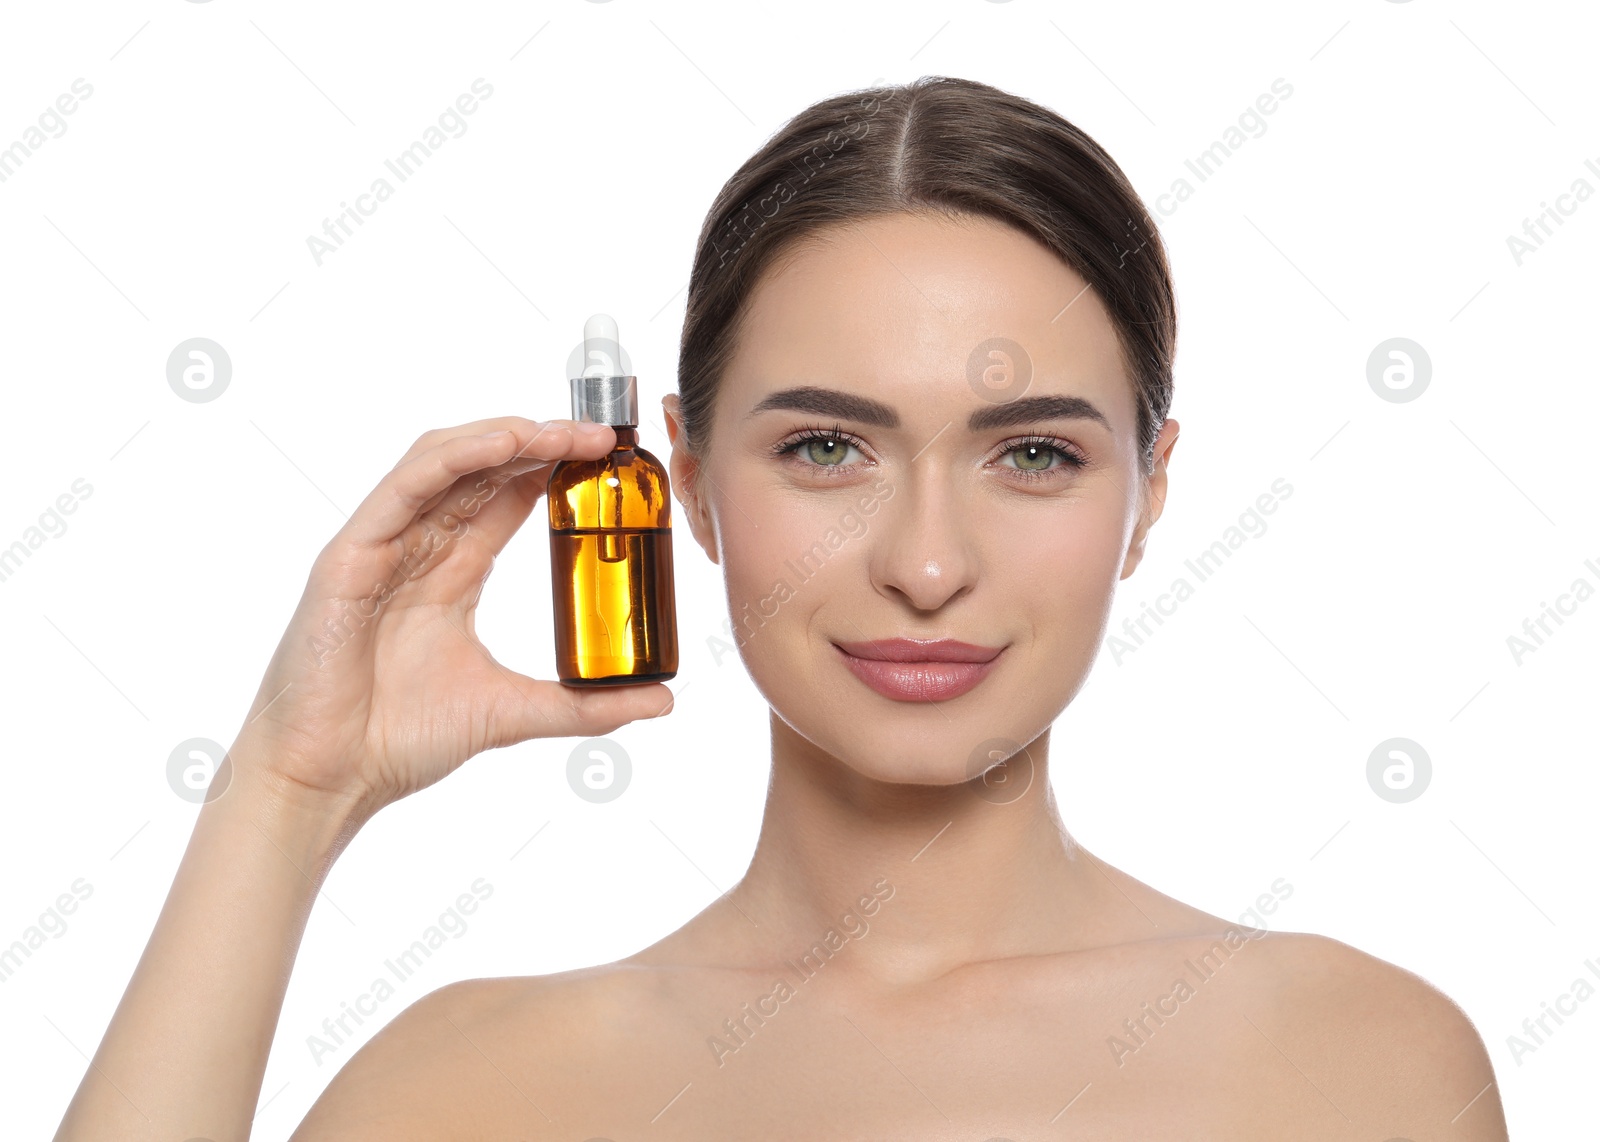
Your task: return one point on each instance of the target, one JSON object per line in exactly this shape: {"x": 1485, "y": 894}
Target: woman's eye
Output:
{"x": 1030, "y": 457}
{"x": 825, "y": 451}
{"x": 1036, "y": 457}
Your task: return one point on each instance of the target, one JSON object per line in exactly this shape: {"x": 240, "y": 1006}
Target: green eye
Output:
{"x": 828, "y": 451}
{"x": 822, "y": 448}
{"x": 1033, "y": 457}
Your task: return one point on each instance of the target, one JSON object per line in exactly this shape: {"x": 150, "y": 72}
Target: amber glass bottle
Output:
{"x": 611, "y": 539}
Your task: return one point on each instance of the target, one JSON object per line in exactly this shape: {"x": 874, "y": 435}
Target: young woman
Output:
{"x": 929, "y": 341}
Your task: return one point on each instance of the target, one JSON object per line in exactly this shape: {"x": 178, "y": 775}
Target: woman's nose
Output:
{"x": 923, "y": 550}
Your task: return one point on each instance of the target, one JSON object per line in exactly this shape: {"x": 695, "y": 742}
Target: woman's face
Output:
{"x": 921, "y": 487}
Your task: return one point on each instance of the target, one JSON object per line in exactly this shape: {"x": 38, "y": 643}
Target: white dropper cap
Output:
{"x": 601, "y": 393}
{"x": 602, "y": 348}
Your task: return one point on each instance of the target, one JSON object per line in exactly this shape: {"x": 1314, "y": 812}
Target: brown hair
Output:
{"x": 936, "y": 145}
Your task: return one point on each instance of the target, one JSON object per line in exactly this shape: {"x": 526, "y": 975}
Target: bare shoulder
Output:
{"x": 1383, "y": 1046}
{"x": 456, "y": 1063}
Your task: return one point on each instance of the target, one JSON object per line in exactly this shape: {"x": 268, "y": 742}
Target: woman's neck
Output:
{"x": 916, "y": 880}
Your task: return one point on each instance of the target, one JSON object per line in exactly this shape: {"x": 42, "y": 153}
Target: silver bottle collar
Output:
{"x": 606, "y": 400}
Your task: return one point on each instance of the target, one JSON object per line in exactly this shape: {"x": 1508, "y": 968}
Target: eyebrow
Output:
{"x": 864, "y": 410}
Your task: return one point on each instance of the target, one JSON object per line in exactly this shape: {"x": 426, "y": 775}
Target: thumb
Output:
{"x": 536, "y": 708}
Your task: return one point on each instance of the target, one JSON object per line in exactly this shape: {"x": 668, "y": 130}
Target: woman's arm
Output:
{"x": 378, "y": 688}
{"x": 185, "y": 1052}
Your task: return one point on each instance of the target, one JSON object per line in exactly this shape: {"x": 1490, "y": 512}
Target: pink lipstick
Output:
{"x": 916, "y": 670}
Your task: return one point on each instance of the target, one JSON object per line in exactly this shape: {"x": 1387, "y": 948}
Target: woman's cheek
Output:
{"x": 1094, "y": 554}
{"x": 757, "y": 583}
{"x": 1061, "y": 580}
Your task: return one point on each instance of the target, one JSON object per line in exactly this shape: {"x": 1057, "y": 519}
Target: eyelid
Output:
{"x": 819, "y": 432}
{"x": 1074, "y": 455}
{"x": 1074, "y": 458}
{"x": 800, "y": 435}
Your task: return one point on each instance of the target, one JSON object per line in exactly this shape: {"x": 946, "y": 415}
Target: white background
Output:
{"x": 1229, "y": 750}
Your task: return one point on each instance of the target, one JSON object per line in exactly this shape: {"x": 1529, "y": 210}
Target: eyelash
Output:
{"x": 1071, "y": 457}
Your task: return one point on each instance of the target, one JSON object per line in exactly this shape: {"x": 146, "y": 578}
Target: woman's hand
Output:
{"x": 380, "y": 686}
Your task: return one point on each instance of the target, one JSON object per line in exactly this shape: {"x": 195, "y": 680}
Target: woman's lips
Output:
{"x": 911, "y": 671}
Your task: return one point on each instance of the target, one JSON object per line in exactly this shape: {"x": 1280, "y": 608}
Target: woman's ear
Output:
{"x": 1155, "y": 496}
{"x": 684, "y": 470}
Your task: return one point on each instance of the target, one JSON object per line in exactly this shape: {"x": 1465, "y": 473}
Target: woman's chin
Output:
{"x": 929, "y": 763}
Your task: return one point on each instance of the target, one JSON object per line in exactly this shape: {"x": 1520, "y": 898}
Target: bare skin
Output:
{"x": 973, "y": 972}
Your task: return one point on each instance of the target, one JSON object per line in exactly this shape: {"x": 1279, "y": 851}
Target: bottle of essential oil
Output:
{"x": 611, "y": 538}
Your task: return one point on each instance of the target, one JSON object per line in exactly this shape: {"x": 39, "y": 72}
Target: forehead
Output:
{"x": 897, "y": 306}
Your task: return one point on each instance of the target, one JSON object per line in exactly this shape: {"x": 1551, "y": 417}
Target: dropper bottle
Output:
{"x": 611, "y": 537}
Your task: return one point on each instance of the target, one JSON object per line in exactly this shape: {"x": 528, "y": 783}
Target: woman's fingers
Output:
{"x": 492, "y": 509}
{"x": 404, "y": 493}
{"x": 526, "y": 476}
{"x": 534, "y": 708}
{"x": 435, "y": 436}
{"x": 399, "y": 496}
{"x": 524, "y": 428}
